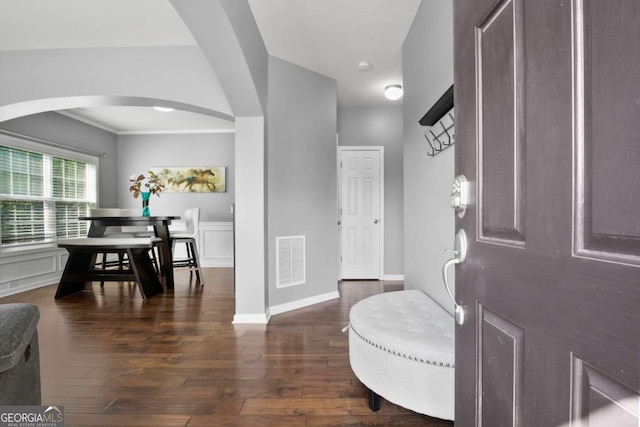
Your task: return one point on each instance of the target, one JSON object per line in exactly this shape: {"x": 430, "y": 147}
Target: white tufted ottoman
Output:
{"x": 401, "y": 346}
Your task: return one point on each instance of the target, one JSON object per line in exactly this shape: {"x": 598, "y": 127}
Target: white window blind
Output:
{"x": 42, "y": 195}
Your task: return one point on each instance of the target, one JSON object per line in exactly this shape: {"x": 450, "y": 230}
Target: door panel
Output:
{"x": 501, "y": 175}
{"x": 500, "y": 370}
{"x": 607, "y": 46}
{"x": 599, "y": 400}
{"x": 547, "y": 124}
{"x": 360, "y": 214}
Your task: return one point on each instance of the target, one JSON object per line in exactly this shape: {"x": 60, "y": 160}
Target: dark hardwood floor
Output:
{"x": 112, "y": 359}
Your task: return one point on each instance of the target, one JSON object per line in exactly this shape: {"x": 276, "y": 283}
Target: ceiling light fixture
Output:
{"x": 364, "y": 66}
{"x": 163, "y": 109}
{"x": 393, "y": 92}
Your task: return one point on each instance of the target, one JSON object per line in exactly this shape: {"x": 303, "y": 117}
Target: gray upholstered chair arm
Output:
{"x": 18, "y": 323}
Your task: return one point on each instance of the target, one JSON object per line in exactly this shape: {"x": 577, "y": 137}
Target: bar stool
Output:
{"x": 188, "y": 237}
{"x": 140, "y": 231}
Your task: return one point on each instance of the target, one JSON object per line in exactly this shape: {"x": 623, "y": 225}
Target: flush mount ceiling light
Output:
{"x": 393, "y": 92}
{"x": 163, "y": 109}
{"x": 364, "y": 66}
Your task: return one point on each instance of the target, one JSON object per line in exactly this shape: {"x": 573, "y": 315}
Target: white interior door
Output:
{"x": 360, "y": 212}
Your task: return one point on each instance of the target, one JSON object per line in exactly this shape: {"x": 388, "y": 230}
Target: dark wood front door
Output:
{"x": 547, "y": 96}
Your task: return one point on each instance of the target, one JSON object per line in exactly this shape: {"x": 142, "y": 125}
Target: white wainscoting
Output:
{"x": 22, "y": 270}
{"x": 215, "y": 244}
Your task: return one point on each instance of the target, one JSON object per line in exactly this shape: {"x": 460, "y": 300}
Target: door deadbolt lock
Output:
{"x": 459, "y": 199}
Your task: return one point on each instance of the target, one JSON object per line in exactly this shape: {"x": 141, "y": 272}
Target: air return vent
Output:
{"x": 290, "y": 267}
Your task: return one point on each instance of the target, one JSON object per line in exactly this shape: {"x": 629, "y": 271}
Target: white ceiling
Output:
{"x": 125, "y": 120}
{"x": 331, "y": 36}
{"x": 326, "y": 36}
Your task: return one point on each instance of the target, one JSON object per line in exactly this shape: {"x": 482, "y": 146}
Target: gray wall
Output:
{"x": 428, "y": 219}
{"x": 126, "y": 155}
{"x": 302, "y": 184}
{"x": 381, "y": 127}
{"x": 57, "y": 128}
{"x": 184, "y": 77}
{"x": 138, "y": 153}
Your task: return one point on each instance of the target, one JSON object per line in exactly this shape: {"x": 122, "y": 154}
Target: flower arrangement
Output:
{"x": 142, "y": 183}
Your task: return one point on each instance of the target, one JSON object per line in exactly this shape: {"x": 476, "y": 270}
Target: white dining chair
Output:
{"x": 188, "y": 237}
{"x": 110, "y": 232}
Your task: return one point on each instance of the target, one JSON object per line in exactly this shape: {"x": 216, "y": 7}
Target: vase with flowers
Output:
{"x": 145, "y": 186}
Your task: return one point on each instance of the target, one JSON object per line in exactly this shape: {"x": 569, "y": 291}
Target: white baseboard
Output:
{"x": 294, "y": 305}
{"x": 393, "y": 277}
{"x": 217, "y": 262}
{"x": 255, "y": 318}
{"x": 29, "y": 286}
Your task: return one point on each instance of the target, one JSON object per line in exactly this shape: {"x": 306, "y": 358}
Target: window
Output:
{"x": 42, "y": 193}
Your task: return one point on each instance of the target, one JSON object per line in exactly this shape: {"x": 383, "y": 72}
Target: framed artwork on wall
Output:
{"x": 192, "y": 179}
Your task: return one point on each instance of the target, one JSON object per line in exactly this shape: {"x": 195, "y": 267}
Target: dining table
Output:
{"x": 160, "y": 225}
